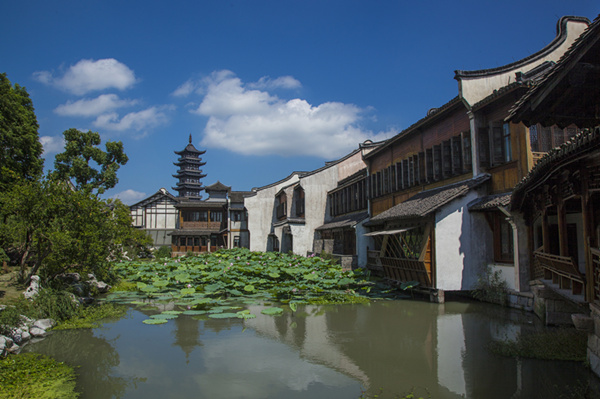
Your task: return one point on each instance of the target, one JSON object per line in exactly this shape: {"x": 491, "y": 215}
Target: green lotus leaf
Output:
{"x": 149, "y": 288}
{"x": 293, "y": 306}
{"x": 161, "y": 283}
{"x": 223, "y": 316}
{"x": 212, "y": 287}
{"x": 187, "y": 291}
{"x": 272, "y": 311}
{"x": 172, "y": 312}
{"x": 154, "y": 321}
{"x": 246, "y": 316}
{"x": 141, "y": 285}
{"x": 194, "y": 312}
{"x": 249, "y": 288}
{"x": 164, "y": 316}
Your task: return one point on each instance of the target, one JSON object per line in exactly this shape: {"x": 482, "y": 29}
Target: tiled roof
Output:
{"x": 342, "y": 221}
{"x": 561, "y": 35}
{"x": 590, "y": 34}
{"x": 160, "y": 193}
{"x": 579, "y": 145}
{"x": 238, "y": 196}
{"x": 490, "y": 202}
{"x": 429, "y": 201}
{"x": 218, "y": 186}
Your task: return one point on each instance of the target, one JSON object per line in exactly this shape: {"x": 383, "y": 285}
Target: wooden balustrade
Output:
{"x": 595, "y": 258}
{"x": 563, "y": 271}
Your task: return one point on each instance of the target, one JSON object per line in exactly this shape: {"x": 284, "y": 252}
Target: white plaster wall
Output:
{"x": 362, "y": 242}
{"x": 507, "y": 273}
{"x": 260, "y": 213}
{"x": 454, "y": 240}
{"x": 477, "y": 88}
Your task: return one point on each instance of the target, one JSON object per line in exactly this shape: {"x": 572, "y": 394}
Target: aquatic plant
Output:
{"x": 552, "y": 344}
{"x": 31, "y": 375}
{"x": 239, "y": 273}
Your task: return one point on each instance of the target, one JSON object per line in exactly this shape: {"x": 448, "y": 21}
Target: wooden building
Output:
{"x": 439, "y": 190}
{"x": 157, "y": 215}
{"x": 560, "y": 198}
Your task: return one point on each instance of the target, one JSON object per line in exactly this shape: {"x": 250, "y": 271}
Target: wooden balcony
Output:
{"x": 400, "y": 270}
{"x": 178, "y": 250}
{"x": 562, "y": 272}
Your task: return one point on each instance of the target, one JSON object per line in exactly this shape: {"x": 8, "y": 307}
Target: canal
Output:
{"x": 385, "y": 348}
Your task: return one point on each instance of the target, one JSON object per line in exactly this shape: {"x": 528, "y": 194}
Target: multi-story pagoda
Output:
{"x": 189, "y": 174}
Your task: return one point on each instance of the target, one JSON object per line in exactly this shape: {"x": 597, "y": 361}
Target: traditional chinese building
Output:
{"x": 187, "y": 222}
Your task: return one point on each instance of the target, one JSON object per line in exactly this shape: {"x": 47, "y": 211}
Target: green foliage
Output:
{"x": 491, "y": 287}
{"x": 33, "y": 376}
{"x": 81, "y": 157}
{"x": 163, "y": 252}
{"x": 90, "y": 316}
{"x": 55, "y": 229}
{"x": 56, "y": 305}
{"x": 20, "y": 147}
{"x": 237, "y": 272}
{"x": 9, "y": 318}
{"x": 556, "y": 344}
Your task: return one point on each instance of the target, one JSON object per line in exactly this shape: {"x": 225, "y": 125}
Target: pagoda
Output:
{"x": 189, "y": 174}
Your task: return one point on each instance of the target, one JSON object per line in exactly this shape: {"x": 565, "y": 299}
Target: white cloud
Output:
{"x": 129, "y": 197}
{"x": 92, "y": 107}
{"x": 150, "y": 117}
{"x": 185, "y": 89}
{"x": 254, "y": 122}
{"x": 52, "y": 144}
{"x": 91, "y": 75}
{"x": 282, "y": 82}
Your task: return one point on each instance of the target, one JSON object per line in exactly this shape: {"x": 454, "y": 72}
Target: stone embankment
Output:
{"x": 28, "y": 329}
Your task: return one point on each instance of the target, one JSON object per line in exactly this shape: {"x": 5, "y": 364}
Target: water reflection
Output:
{"x": 316, "y": 352}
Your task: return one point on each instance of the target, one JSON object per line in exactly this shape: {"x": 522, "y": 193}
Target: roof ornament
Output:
{"x": 190, "y": 138}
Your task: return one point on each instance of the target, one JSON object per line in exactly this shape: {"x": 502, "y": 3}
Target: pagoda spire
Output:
{"x": 189, "y": 173}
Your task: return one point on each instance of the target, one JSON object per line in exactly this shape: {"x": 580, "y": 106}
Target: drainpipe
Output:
{"x": 511, "y": 221}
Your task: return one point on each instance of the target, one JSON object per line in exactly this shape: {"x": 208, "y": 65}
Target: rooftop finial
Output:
{"x": 190, "y": 138}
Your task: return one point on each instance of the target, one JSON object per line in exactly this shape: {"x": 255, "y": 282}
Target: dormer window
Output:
{"x": 281, "y": 210}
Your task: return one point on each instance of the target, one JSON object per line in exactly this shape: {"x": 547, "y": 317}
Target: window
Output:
{"x": 236, "y": 241}
{"x": 543, "y": 139}
{"x": 503, "y": 239}
{"x": 466, "y": 151}
{"x": 216, "y": 216}
{"x": 203, "y": 216}
{"x": 506, "y": 142}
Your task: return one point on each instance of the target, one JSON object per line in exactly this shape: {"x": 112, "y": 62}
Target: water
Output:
{"x": 317, "y": 352}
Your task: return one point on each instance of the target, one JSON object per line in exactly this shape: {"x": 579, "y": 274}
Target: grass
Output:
{"x": 90, "y": 317}
{"x": 555, "y": 344}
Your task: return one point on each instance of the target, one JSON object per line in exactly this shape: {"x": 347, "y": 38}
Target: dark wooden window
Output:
{"x": 457, "y": 158}
{"x": 429, "y": 164}
{"x": 483, "y": 147}
{"x": 503, "y": 239}
{"x": 216, "y": 216}
{"x": 437, "y": 162}
{"x": 446, "y": 159}
{"x": 466, "y": 152}
{"x": 422, "y": 169}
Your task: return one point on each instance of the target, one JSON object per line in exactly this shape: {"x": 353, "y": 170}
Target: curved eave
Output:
{"x": 561, "y": 36}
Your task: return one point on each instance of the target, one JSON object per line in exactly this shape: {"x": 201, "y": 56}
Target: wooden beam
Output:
{"x": 562, "y": 227}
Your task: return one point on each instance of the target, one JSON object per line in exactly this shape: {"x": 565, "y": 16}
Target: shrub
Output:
{"x": 491, "y": 287}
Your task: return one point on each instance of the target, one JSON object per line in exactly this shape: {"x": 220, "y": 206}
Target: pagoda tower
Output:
{"x": 189, "y": 174}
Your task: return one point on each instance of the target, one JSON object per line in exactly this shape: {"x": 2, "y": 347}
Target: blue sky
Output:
{"x": 265, "y": 87}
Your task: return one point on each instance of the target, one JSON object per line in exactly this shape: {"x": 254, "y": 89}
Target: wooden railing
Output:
{"x": 373, "y": 260}
{"x": 406, "y": 270}
{"x": 563, "y": 271}
{"x": 184, "y": 249}
{"x": 595, "y": 258}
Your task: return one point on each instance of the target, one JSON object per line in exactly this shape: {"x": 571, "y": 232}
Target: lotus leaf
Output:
{"x": 187, "y": 291}
{"x": 154, "y": 321}
{"x": 172, "y": 312}
{"x": 194, "y": 312}
{"x": 272, "y": 311}
{"x": 161, "y": 283}
{"x": 223, "y": 316}
{"x": 249, "y": 288}
{"x": 141, "y": 285}
{"x": 164, "y": 316}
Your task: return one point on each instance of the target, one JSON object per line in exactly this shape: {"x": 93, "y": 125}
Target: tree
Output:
{"x": 87, "y": 166}
{"x": 20, "y": 147}
{"x": 51, "y": 229}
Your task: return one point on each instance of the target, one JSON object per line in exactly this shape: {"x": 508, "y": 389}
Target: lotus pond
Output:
{"x": 207, "y": 329}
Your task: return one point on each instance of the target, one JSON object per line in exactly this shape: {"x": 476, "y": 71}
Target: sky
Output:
{"x": 264, "y": 87}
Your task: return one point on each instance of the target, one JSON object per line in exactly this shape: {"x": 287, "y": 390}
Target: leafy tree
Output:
{"x": 20, "y": 147}
{"x": 85, "y": 164}
{"x": 53, "y": 229}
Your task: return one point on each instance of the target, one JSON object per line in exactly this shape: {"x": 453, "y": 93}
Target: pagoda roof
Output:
{"x": 190, "y": 149}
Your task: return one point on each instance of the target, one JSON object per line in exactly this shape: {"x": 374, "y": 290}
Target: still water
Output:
{"x": 345, "y": 351}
